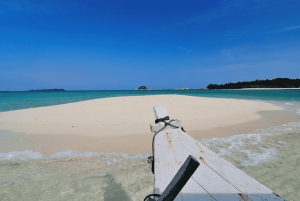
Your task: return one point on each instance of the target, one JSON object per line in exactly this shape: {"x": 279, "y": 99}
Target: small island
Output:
{"x": 274, "y": 83}
{"x": 46, "y": 90}
{"x": 142, "y": 88}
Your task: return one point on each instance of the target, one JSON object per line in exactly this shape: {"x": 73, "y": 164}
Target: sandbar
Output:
{"x": 121, "y": 124}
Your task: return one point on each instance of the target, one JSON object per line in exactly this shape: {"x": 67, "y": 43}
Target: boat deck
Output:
{"x": 215, "y": 179}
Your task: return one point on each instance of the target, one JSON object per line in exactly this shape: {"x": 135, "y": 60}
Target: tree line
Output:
{"x": 274, "y": 83}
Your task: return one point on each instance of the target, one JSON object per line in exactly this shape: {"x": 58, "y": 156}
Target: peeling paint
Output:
{"x": 243, "y": 197}
{"x": 202, "y": 159}
{"x": 170, "y": 144}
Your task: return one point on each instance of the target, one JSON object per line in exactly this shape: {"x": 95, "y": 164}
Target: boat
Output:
{"x": 185, "y": 170}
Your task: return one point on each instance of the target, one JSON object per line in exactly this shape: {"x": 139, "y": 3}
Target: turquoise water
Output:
{"x": 22, "y": 100}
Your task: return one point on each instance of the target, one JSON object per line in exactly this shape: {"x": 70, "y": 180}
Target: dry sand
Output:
{"x": 121, "y": 124}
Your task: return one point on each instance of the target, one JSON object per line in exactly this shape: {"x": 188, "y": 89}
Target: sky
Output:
{"x": 163, "y": 44}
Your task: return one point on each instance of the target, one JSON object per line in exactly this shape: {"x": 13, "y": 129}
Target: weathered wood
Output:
{"x": 160, "y": 112}
{"x": 236, "y": 177}
{"x": 212, "y": 183}
{"x": 162, "y": 177}
{"x": 215, "y": 179}
{"x": 180, "y": 179}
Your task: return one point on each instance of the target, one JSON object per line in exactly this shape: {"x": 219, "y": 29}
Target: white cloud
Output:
{"x": 20, "y": 6}
{"x": 231, "y": 53}
{"x": 268, "y": 66}
{"x": 184, "y": 49}
{"x": 286, "y": 29}
{"x": 226, "y": 8}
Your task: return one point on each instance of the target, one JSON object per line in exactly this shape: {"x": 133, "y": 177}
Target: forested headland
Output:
{"x": 274, "y": 83}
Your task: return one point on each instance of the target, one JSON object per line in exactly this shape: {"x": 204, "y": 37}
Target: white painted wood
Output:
{"x": 192, "y": 191}
{"x": 180, "y": 179}
{"x": 156, "y": 127}
{"x": 160, "y": 112}
{"x": 163, "y": 176}
{"x": 204, "y": 175}
{"x": 215, "y": 179}
{"x": 236, "y": 177}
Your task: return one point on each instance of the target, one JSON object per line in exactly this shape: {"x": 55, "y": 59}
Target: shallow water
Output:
{"x": 73, "y": 176}
{"x": 271, "y": 156}
{"x": 22, "y": 100}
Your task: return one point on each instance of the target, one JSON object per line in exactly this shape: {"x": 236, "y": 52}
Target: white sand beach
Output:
{"x": 121, "y": 124}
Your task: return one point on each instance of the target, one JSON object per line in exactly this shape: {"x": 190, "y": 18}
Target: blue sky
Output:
{"x": 119, "y": 44}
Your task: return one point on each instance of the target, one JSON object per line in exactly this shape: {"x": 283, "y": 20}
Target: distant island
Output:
{"x": 275, "y": 83}
{"x": 46, "y": 90}
{"x": 142, "y": 88}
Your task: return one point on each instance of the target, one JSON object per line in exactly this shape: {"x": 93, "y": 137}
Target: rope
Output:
{"x": 155, "y": 195}
{"x": 151, "y": 158}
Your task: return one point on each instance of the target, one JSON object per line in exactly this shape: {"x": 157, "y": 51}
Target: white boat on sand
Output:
{"x": 215, "y": 179}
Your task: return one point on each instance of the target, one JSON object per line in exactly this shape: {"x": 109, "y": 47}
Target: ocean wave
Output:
{"x": 298, "y": 111}
{"x": 72, "y": 153}
{"x": 21, "y": 155}
{"x": 257, "y": 158}
{"x": 32, "y": 155}
{"x": 256, "y": 148}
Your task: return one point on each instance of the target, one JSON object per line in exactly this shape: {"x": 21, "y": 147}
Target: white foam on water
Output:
{"x": 256, "y": 158}
{"x": 225, "y": 146}
{"x": 256, "y": 147}
{"x": 288, "y": 103}
{"x": 298, "y": 111}
{"x": 240, "y": 144}
{"x": 72, "y": 153}
{"x": 32, "y": 155}
{"x": 21, "y": 155}
{"x": 128, "y": 156}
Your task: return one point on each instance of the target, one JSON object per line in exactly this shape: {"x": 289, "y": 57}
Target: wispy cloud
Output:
{"x": 20, "y": 6}
{"x": 184, "y": 49}
{"x": 268, "y": 66}
{"x": 291, "y": 28}
{"x": 226, "y": 8}
{"x": 231, "y": 53}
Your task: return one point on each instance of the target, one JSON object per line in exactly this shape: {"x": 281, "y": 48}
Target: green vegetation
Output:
{"x": 275, "y": 83}
{"x": 142, "y": 88}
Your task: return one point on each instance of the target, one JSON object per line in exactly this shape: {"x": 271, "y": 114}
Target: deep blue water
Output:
{"x": 21, "y": 100}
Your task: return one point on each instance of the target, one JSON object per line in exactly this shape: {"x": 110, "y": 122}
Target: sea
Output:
{"x": 270, "y": 155}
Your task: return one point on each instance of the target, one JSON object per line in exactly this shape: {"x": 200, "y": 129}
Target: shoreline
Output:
{"x": 259, "y": 89}
{"x": 270, "y": 88}
{"x": 49, "y": 129}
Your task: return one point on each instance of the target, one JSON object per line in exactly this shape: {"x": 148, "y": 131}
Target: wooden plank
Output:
{"x": 212, "y": 183}
{"x": 180, "y": 179}
{"x": 160, "y": 112}
{"x": 236, "y": 177}
{"x": 166, "y": 167}
{"x": 163, "y": 174}
{"x": 192, "y": 191}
